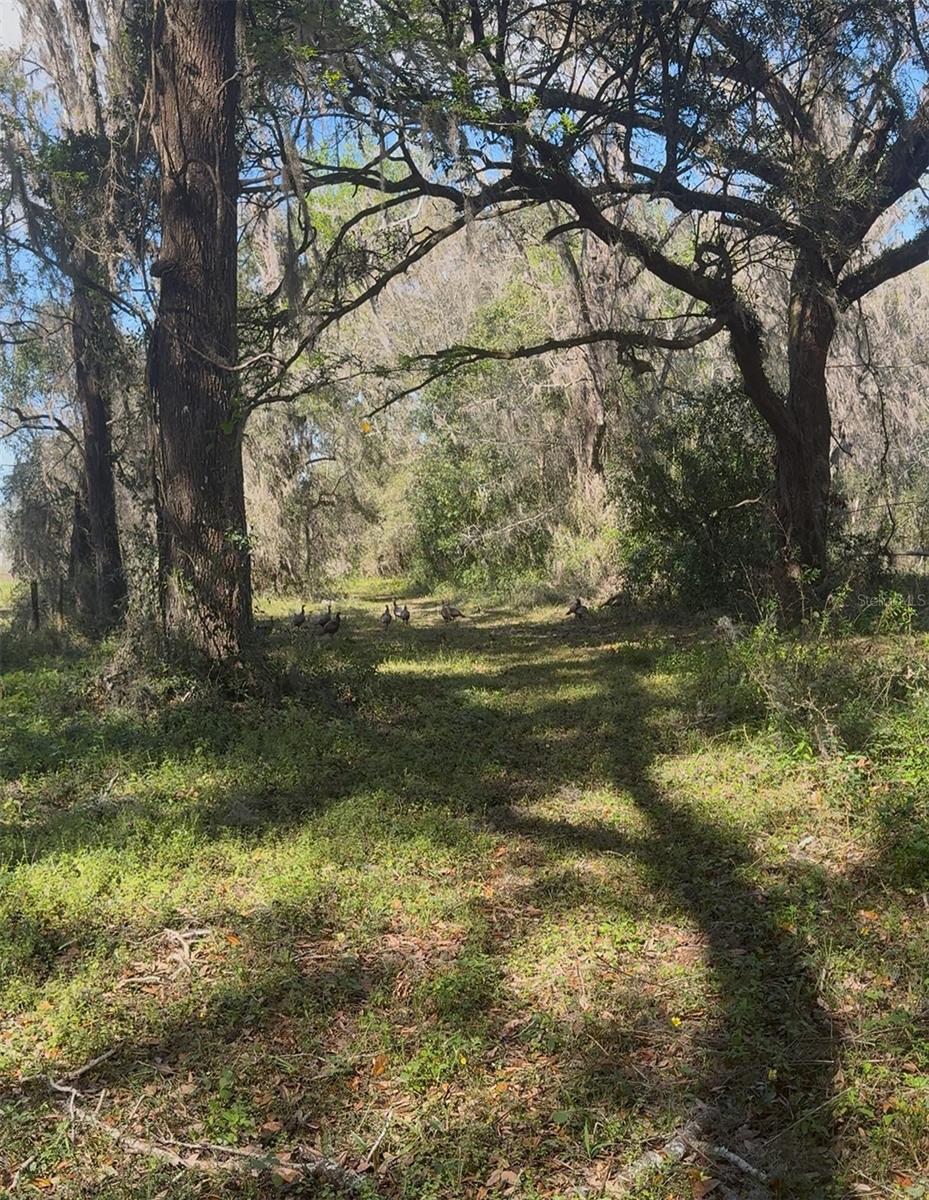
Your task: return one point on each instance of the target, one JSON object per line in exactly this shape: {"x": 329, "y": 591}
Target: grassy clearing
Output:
{"x": 7, "y": 594}
{"x": 533, "y": 896}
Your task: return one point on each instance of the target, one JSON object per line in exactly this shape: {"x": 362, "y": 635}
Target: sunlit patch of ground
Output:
{"x": 515, "y": 913}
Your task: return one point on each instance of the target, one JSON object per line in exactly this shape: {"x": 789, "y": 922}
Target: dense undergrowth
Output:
{"x": 495, "y": 911}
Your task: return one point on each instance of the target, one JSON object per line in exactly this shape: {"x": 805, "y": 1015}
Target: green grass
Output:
{"x": 513, "y": 908}
{"x": 7, "y": 594}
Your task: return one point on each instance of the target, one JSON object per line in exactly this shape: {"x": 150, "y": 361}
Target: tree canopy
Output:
{"x": 719, "y": 174}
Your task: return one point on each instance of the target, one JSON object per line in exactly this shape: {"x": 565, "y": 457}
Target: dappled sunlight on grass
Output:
{"x": 508, "y": 905}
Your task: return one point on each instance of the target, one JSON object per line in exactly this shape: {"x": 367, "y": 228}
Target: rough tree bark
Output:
{"x": 803, "y": 448}
{"x": 591, "y": 433}
{"x": 81, "y": 570}
{"x": 589, "y": 273}
{"x": 94, "y": 339}
{"x": 204, "y": 550}
{"x": 800, "y": 421}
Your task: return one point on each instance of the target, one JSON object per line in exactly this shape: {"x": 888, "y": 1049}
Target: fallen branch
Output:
{"x": 24, "y": 1166}
{"x": 94, "y": 1062}
{"x": 690, "y": 1137}
{"x": 736, "y": 1161}
{"x": 369, "y": 1157}
{"x": 204, "y": 1156}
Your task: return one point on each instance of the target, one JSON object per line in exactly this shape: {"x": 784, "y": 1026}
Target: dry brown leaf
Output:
{"x": 288, "y": 1174}
{"x": 502, "y": 1177}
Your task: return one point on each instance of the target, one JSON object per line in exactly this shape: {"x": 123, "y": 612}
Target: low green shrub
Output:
{"x": 22, "y": 648}
{"x": 692, "y": 484}
{"x": 825, "y": 686}
{"x": 474, "y": 522}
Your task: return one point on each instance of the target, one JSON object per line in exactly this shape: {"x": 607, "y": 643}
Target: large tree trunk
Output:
{"x": 800, "y": 422}
{"x": 591, "y": 430}
{"x": 94, "y": 342}
{"x": 204, "y": 549}
{"x": 802, "y": 498}
{"x": 803, "y": 469}
{"x": 81, "y": 569}
{"x": 591, "y": 276}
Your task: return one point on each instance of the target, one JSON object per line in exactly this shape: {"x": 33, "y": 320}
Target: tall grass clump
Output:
{"x": 827, "y": 685}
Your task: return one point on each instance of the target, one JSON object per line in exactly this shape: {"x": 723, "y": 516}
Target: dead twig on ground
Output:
{"x": 691, "y": 1137}
{"x": 202, "y": 1156}
{"x": 369, "y": 1157}
{"x": 94, "y": 1062}
{"x": 23, "y": 1166}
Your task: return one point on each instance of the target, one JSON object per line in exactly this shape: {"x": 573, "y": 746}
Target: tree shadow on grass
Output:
{"x": 485, "y": 746}
{"x": 776, "y": 1048}
{"x": 770, "y": 1078}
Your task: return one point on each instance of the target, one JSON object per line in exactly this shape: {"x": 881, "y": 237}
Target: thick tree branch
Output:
{"x": 456, "y": 358}
{"x": 747, "y": 341}
{"x": 886, "y": 266}
{"x": 564, "y": 187}
{"x": 904, "y": 163}
{"x": 749, "y": 65}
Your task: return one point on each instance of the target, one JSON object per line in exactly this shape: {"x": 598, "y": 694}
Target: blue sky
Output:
{"x": 9, "y": 36}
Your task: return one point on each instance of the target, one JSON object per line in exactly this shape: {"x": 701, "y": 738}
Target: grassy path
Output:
{"x": 510, "y": 916}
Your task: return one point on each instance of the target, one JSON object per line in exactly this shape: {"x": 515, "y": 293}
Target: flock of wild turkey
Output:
{"x": 324, "y": 624}
{"x": 328, "y": 624}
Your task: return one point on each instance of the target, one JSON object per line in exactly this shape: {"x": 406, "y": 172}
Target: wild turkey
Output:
{"x": 396, "y": 606}
{"x": 581, "y": 611}
{"x": 331, "y": 628}
{"x": 449, "y": 612}
{"x": 324, "y": 618}
{"x": 404, "y": 615}
{"x": 299, "y": 618}
{"x": 573, "y": 607}
{"x": 386, "y": 618}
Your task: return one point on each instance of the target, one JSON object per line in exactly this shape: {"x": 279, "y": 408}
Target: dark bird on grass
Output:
{"x": 450, "y": 613}
{"x": 299, "y": 618}
{"x": 404, "y": 615}
{"x": 581, "y": 611}
{"x": 324, "y": 618}
{"x": 574, "y": 606}
{"x": 386, "y": 618}
{"x": 331, "y": 628}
